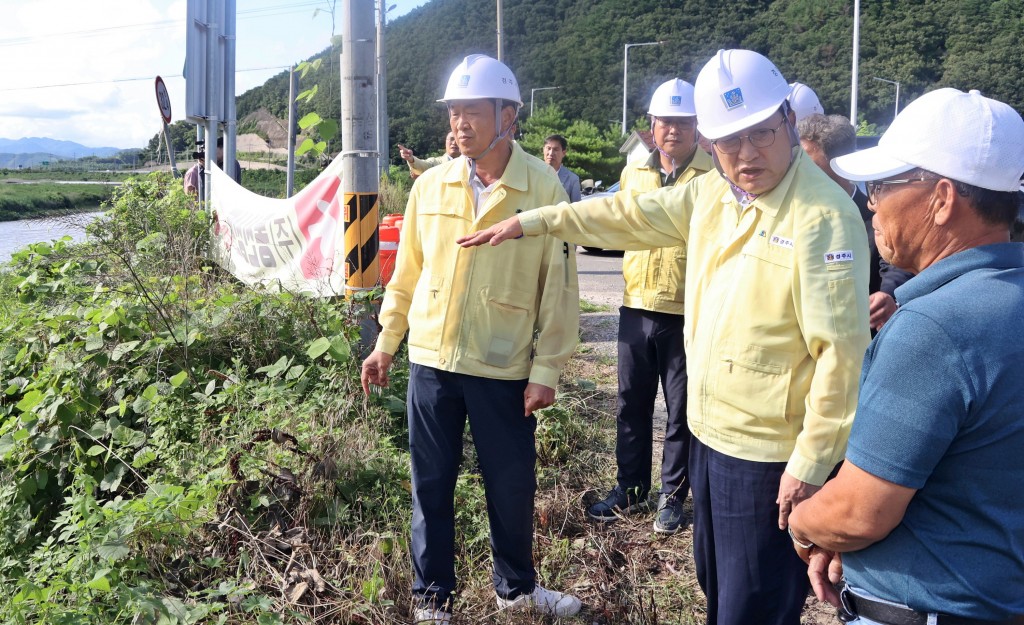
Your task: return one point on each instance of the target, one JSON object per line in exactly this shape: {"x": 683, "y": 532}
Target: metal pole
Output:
{"x": 360, "y": 159}
{"x": 230, "y": 15}
{"x": 293, "y": 91}
{"x": 897, "y": 111}
{"x": 383, "y": 138}
{"x": 499, "y": 31}
{"x": 856, "y": 63}
{"x": 214, "y": 86}
{"x": 170, "y": 150}
{"x": 535, "y": 90}
{"x": 625, "y": 74}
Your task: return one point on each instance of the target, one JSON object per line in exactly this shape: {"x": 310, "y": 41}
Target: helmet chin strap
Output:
{"x": 497, "y": 138}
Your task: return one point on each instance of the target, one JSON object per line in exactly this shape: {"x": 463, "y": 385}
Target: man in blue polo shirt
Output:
{"x": 927, "y": 511}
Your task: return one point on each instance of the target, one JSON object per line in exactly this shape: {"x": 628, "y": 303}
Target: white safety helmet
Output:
{"x": 735, "y": 90}
{"x": 478, "y": 77}
{"x": 673, "y": 98}
{"x": 804, "y": 101}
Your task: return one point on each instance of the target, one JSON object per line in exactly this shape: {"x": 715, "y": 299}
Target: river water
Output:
{"x": 15, "y": 235}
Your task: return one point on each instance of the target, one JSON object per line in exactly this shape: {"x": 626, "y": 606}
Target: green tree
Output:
{"x": 593, "y": 153}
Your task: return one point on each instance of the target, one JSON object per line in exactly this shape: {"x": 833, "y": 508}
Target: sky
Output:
{"x": 84, "y": 70}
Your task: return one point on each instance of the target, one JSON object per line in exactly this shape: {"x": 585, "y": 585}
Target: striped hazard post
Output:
{"x": 362, "y": 268}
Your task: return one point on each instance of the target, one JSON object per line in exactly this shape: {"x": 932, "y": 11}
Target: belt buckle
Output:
{"x": 845, "y": 612}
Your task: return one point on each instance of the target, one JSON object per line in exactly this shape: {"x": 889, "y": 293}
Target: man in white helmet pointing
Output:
{"x": 650, "y": 341}
{"x": 776, "y": 326}
{"x": 489, "y": 331}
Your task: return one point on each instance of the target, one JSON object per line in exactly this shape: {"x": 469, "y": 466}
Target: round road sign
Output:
{"x": 163, "y": 100}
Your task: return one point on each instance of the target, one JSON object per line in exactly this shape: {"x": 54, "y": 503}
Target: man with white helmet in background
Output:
{"x": 804, "y": 101}
{"x": 650, "y": 344}
{"x": 776, "y": 326}
{"x": 489, "y": 332}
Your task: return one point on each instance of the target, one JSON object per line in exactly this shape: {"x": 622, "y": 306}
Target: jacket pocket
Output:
{"x": 503, "y": 331}
{"x": 755, "y": 381}
{"x": 426, "y": 313}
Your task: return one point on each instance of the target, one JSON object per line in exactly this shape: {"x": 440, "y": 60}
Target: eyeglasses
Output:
{"x": 760, "y": 138}
{"x": 679, "y": 123}
{"x": 875, "y": 186}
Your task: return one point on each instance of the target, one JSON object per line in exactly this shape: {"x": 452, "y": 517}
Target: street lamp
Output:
{"x": 625, "y": 74}
{"x": 535, "y": 90}
{"x": 892, "y": 82}
{"x": 383, "y": 147}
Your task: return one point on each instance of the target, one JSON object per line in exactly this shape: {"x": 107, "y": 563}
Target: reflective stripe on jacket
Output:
{"x": 654, "y": 278}
{"x": 477, "y": 310}
{"x": 776, "y": 306}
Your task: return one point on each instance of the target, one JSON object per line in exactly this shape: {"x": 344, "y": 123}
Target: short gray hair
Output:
{"x": 832, "y": 133}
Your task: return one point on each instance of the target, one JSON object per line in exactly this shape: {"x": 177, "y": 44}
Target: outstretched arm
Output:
{"x": 501, "y": 231}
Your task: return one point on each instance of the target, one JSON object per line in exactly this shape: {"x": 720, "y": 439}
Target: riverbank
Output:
{"x": 49, "y": 199}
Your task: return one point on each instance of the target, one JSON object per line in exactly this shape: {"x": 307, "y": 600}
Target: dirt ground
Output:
{"x": 671, "y": 559}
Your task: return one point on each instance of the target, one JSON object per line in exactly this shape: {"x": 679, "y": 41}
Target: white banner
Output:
{"x": 293, "y": 244}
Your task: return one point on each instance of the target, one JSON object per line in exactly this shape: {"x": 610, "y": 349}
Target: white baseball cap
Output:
{"x": 962, "y": 136}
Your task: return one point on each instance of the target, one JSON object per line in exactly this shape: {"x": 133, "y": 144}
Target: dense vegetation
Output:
{"x": 176, "y": 448}
{"x": 578, "y": 45}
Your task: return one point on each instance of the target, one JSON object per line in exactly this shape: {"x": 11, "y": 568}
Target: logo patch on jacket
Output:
{"x": 841, "y": 256}
{"x": 781, "y": 241}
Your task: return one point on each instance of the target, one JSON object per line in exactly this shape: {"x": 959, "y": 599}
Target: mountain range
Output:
{"x": 53, "y": 147}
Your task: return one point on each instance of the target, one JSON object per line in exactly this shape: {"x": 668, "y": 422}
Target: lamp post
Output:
{"x": 383, "y": 148}
{"x": 500, "y": 43}
{"x": 535, "y": 90}
{"x": 854, "y": 72}
{"x": 892, "y": 82}
{"x": 625, "y": 74}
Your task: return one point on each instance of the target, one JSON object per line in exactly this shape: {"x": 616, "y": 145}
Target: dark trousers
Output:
{"x": 438, "y": 404}
{"x": 651, "y": 349}
{"x": 745, "y": 564}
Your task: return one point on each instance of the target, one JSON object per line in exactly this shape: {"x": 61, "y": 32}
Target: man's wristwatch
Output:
{"x": 797, "y": 542}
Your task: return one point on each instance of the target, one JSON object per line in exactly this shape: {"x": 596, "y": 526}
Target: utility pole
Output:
{"x": 230, "y": 121}
{"x": 293, "y": 113}
{"x": 500, "y": 46}
{"x": 360, "y": 159}
{"x": 383, "y": 137}
{"x": 856, "y": 62}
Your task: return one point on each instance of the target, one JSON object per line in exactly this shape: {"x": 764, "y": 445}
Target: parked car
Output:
{"x": 606, "y": 193}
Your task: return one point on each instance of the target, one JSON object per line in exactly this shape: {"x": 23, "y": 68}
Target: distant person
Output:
{"x": 194, "y": 181}
{"x": 650, "y": 342}
{"x": 555, "y": 148}
{"x": 775, "y": 331}
{"x": 417, "y": 166}
{"x": 488, "y": 333}
{"x": 924, "y": 522}
{"x": 825, "y": 138}
{"x": 804, "y": 101}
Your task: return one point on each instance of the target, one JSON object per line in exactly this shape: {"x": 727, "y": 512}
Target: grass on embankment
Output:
{"x": 25, "y": 201}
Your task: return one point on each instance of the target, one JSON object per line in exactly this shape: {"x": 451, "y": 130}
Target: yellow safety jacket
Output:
{"x": 478, "y": 310}
{"x": 776, "y": 306}
{"x": 654, "y": 278}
